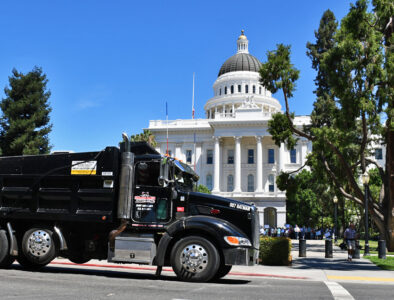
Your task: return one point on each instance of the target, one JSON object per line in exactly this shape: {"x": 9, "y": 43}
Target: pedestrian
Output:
{"x": 350, "y": 236}
{"x": 297, "y": 231}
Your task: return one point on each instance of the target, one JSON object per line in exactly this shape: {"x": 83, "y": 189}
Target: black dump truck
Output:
{"x": 125, "y": 205}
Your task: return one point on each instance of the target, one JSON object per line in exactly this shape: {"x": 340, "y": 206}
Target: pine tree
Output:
{"x": 25, "y": 122}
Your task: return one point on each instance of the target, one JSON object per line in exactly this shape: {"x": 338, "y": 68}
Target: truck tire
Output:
{"x": 223, "y": 271}
{"x": 78, "y": 259}
{"x": 195, "y": 258}
{"x": 6, "y": 259}
{"x": 38, "y": 248}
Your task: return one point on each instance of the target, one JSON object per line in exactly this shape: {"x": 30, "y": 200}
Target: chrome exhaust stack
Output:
{"x": 126, "y": 181}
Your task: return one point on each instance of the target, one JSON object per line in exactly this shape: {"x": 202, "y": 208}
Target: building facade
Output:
{"x": 231, "y": 149}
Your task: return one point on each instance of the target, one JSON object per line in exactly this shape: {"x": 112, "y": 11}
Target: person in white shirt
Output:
{"x": 350, "y": 237}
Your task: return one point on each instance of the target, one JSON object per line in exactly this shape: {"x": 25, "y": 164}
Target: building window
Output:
{"x": 260, "y": 90}
{"x": 225, "y": 90}
{"x": 189, "y": 156}
{"x": 246, "y": 89}
{"x": 220, "y": 91}
{"x": 209, "y": 182}
{"x": 209, "y": 157}
{"x": 239, "y": 88}
{"x": 293, "y": 156}
{"x": 232, "y": 89}
{"x": 230, "y": 183}
{"x": 270, "y": 217}
{"x": 378, "y": 153}
{"x": 271, "y": 183}
{"x": 250, "y": 183}
{"x": 254, "y": 89}
{"x": 271, "y": 156}
{"x": 230, "y": 156}
{"x": 250, "y": 156}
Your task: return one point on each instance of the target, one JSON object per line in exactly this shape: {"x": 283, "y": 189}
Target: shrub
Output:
{"x": 275, "y": 251}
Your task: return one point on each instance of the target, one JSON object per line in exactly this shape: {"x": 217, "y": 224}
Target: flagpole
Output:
{"x": 194, "y": 134}
{"x": 167, "y": 126}
{"x": 193, "y": 99}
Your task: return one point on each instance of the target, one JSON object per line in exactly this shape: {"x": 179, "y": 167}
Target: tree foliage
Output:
{"x": 145, "y": 136}
{"x": 203, "y": 189}
{"x": 25, "y": 122}
{"x": 354, "y": 66}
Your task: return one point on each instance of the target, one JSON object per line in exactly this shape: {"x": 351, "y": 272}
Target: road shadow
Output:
{"x": 333, "y": 264}
{"x": 117, "y": 274}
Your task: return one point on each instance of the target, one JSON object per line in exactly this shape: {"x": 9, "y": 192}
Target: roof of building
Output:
{"x": 240, "y": 62}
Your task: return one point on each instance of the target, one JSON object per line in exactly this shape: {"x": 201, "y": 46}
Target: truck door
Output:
{"x": 152, "y": 203}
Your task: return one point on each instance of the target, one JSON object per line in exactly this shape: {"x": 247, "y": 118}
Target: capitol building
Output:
{"x": 231, "y": 149}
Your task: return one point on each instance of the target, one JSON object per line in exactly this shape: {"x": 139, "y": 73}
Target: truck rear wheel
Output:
{"x": 6, "y": 259}
{"x": 38, "y": 248}
{"x": 194, "y": 258}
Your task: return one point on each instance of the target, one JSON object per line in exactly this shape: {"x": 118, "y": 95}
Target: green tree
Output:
{"x": 305, "y": 195}
{"x": 357, "y": 73}
{"x": 203, "y": 189}
{"x": 25, "y": 122}
{"x": 145, "y": 136}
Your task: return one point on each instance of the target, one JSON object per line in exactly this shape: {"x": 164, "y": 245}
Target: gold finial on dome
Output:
{"x": 242, "y": 36}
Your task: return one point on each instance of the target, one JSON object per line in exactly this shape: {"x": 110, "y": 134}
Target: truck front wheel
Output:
{"x": 194, "y": 258}
{"x": 38, "y": 248}
{"x": 6, "y": 259}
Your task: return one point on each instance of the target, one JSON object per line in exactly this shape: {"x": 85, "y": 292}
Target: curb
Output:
{"x": 170, "y": 270}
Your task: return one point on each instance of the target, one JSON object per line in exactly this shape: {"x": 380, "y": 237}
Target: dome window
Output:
{"x": 239, "y": 88}
{"x": 254, "y": 89}
{"x": 225, "y": 90}
{"x": 220, "y": 92}
{"x": 260, "y": 90}
{"x": 232, "y": 89}
{"x": 246, "y": 89}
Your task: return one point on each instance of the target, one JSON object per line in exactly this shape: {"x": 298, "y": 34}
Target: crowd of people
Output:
{"x": 296, "y": 232}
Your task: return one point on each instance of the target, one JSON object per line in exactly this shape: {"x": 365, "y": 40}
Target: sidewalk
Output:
{"x": 316, "y": 267}
{"x": 313, "y": 267}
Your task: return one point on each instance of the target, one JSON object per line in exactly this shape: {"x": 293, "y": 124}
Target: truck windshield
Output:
{"x": 185, "y": 177}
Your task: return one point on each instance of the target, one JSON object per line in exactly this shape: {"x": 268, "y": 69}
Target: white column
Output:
{"x": 233, "y": 111}
{"x": 281, "y": 157}
{"x": 237, "y": 161}
{"x": 197, "y": 155}
{"x": 216, "y": 170}
{"x": 259, "y": 171}
{"x": 178, "y": 152}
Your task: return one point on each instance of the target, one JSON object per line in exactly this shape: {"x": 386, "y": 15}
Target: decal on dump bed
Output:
{"x": 80, "y": 167}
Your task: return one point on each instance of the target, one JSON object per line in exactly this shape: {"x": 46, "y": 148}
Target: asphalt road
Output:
{"x": 76, "y": 282}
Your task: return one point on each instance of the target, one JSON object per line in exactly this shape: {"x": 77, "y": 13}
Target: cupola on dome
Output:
{"x": 242, "y": 61}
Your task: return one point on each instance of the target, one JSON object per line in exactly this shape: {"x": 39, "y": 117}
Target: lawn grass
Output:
{"x": 385, "y": 264}
{"x": 373, "y": 246}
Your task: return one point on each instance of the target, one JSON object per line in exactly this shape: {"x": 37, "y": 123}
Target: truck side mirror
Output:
{"x": 164, "y": 171}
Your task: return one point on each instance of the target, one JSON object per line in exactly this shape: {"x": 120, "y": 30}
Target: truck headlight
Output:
{"x": 237, "y": 241}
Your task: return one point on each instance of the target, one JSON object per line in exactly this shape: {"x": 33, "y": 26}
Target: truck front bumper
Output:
{"x": 241, "y": 256}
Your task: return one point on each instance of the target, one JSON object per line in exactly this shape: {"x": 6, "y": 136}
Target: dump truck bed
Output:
{"x": 64, "y": 187}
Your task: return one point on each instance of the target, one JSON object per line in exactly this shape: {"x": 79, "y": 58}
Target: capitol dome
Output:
{"x": 240, "y": 62}
{"x": 238, "y": 92}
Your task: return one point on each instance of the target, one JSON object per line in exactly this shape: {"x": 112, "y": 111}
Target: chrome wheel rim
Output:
{"x": 39, "y": 243}
{"x": 194, "y": 258}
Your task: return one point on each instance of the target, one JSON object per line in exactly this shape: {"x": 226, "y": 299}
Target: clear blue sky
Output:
{"x": 112, "y": 65}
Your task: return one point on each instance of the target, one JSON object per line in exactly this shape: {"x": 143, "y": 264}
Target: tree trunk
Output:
{"x": 390, "y": 174}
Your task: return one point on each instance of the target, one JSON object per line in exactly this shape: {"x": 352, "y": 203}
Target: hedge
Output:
{"x": 275, "y": 251}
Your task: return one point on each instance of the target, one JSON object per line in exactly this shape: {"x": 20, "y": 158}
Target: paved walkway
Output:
{"x": 316, "y": 267}
{"x": 313, "y": 267}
